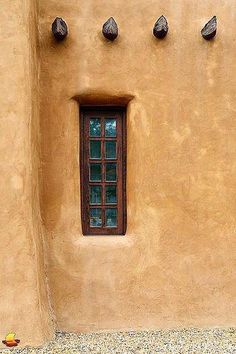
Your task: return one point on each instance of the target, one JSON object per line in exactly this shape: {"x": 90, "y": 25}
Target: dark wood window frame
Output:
{"x": 104, "y": 209}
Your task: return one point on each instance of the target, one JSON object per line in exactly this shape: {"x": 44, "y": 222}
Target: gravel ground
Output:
{"x": 181, "y": 341}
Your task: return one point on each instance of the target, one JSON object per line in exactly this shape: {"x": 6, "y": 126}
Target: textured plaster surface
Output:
{"x": 176, "y": 264}
{"x": 23, "y": 292}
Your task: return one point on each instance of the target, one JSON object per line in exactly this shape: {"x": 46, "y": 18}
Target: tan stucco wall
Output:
{"x": 175, "y": 266}
{"x": 24, "y": 305}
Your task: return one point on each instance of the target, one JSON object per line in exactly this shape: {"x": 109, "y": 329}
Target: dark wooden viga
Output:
{"x": 110, "y": 29}
{"x": 160, "y": 28}
{"x": 209, "y": 30}
{"x": 59, "y": 29}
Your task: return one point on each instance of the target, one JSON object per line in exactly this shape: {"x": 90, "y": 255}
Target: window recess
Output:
{"x": 103, "y": 170}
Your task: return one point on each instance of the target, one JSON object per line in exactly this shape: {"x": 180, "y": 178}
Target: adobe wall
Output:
{"x": 23, "y": 289}
{"x": 175, "y": 266}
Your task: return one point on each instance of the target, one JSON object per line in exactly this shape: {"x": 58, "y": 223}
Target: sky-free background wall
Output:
{"x": 24, "y": 305}
{"x": 175, "y": 266}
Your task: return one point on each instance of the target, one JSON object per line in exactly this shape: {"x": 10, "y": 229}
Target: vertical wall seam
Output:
{"x": 34, "y": 136}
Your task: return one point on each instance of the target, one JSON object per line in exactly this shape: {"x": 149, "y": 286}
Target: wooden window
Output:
{"x": 103, "y": 170}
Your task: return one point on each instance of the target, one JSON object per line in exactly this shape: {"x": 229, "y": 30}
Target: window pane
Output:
{"x": 95, "y": 195}
{"x": 95, "y": 172}
{"x": 95, "y": 127}
{"x": 110, "y": 127}
{"x": 111, "y": 172}
{"x": 110, "y": 149}
{"x": 111, "y": 195}
{"x": 111, "y": 217}
{"x": 95, "y": 217}
{"x": 95, "y": 149}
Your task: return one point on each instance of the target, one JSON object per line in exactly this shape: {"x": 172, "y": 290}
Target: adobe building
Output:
{"x": 167, "y": 257}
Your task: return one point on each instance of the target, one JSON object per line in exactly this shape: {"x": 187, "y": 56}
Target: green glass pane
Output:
{"x": 111, "y": 195}
{"x": 95, "y": 172}
{"x": 95, "y": 127}
{"x": 111, "y": 217}
{"x": 95, "y": 149}
{"x": 110, "y": 149}
{"x": 111, "y": 172}
{"x": 110, "y": 127}
{"x": 95, "y": 195}
{"x": 95, "y": 217}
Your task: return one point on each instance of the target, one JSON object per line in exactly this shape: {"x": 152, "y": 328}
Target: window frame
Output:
{"x": 87, "y": 112}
